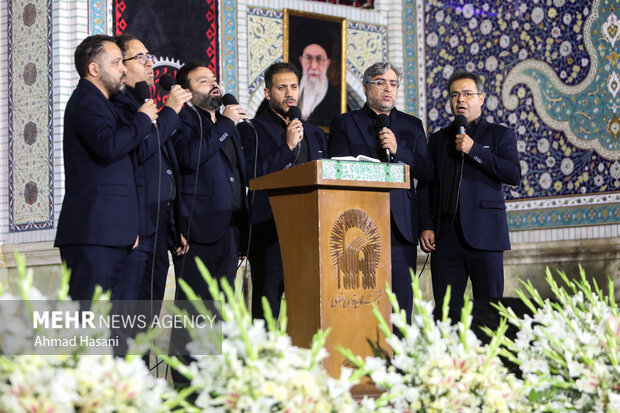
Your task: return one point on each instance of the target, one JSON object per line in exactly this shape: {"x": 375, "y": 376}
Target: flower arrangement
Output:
{"x": 73, "y": 382}
{"x": 260, "y": 370}
{"x": 568, "y": 351}
{"x": 439, "y": 366}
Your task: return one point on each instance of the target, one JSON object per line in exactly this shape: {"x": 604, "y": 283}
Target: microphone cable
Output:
{"x": 251, "y": 225}
{"x": 191, "y": 211}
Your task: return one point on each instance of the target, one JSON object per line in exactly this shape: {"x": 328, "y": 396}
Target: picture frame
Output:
{"x": 302, "y": 32}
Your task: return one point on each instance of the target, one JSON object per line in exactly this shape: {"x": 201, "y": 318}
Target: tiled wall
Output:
{"x": 549, "y": 67}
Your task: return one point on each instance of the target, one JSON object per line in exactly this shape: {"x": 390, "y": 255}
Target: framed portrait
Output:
{"x": 316, "y": 44}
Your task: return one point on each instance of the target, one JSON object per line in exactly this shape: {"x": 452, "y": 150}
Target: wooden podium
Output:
{"x": 333, "y": 222}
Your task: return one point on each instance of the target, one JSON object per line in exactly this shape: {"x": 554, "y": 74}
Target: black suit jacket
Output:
{"x": 101, "y": 203}
{"x": 206, "y": 174}
{"x": 148, "y": 169}
{"x": 492, "y": 162}
{"x": 273, "y": 155}
{"x": 353, "y": 133}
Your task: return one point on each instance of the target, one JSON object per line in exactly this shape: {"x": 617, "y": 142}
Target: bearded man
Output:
{"x": 318, "y": 100}
{"x": 98, "y": 224}
{"x": 212, "y": 185}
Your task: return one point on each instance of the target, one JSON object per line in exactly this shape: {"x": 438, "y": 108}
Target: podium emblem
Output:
{"x": 355, "y": 249}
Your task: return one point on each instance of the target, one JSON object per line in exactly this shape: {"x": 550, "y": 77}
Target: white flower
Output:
{"x": 468, "y": 10}
{"x": 556, "y": 32}
{"x": 566, "y": 48}
{"x": 545, "y": 180}
{"x": 474, "y": 48}
{"x": 491, "y": 63}
{"x": 432, "y": 39}
{"x": 433, "y": 114}
{"x": 566, "y": 166}
{"x": 470, "y": 66}
{"x": 614, "y": 170}
{"x": 542, "y": 145}
{"x": 521, "y": 145}
{"x": 567, "y": 18}
{"x": 504, "y": 41}
{"x": 492, "y": 102}
{"x": 439, "y": 16}
{"x": 537, "y": 15}
{"x": 454, "y": 41}
{"x": 598, "y": 180}
{"x": 512, "y": 118}
{"x": 473, "y": 23}
{"x": 447, "y": 71}
{"x": 486, "y": 26}
{"x": 558, "y": 3}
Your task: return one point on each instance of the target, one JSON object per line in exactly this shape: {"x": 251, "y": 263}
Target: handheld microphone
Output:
{"x": 143, "y": 93}
{"x": 460, "y": 121}
{"x": 294, "y": 113}
{"x": 383, "y": 122}
{"x": 229, "y": 99}
{"x": 167, "y": 81}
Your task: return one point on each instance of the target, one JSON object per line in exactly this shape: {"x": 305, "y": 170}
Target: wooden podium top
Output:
{"x": 336, "y": 173}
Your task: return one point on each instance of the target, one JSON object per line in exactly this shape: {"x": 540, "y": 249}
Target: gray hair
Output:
{"x": 380, "y": 68}
{"x": 463, "y": 74}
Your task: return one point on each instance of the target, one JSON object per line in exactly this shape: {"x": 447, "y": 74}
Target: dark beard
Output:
{"x": 111, "y": 87}
{"x": 208, "y": 102}
{"x": 279, "y": 110}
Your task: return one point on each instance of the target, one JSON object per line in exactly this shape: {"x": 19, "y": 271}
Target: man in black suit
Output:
{"x": 273, "y": 142}
{"x": 157, "y": 169}
{"x": 98, "y": 224}
{"x": 358, "y": 133}
{"x": 463, "y": 211}
{"x": 212, "y": 188}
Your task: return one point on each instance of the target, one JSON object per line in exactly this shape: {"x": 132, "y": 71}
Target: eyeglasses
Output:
{"x": 141, "y": 58}
{"x": 382, "y": 83}
{"x": 310, "y": 58}
{"x": 467, "y": 94}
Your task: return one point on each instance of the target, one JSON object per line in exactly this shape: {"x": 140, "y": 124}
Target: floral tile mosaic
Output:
{"x": 550, "y": 69}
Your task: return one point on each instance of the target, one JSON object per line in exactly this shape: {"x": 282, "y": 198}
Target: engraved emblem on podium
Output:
{"x": 355, "y": 250}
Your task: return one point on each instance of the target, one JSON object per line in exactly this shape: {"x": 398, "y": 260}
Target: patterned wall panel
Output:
{"x": 30, "y": 115}
{"x": 551, "y": 73}
{"x": 366, "y": 44}
{"x": 97, "y": 16}
{"x": 265, "y": 31}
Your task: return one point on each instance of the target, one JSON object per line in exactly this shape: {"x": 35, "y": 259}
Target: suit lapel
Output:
{"x": 481, "y": 134}
{"x": 264, "y": 120}
{"x": 366, "y": 129}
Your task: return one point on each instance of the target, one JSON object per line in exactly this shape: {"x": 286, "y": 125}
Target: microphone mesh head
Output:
{"x": 383, "y": 121}
{"x": 167, "y": 81}
{"x": 460, "y": 120}
{"x": 143, "y": 91}
{"x": 294, "y": 113}
{"x": 229, "y": 99}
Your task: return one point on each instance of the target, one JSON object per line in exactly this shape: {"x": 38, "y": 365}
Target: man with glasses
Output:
{"x": 462, "y": 209}
{"x": 361, "y": 133}
{"x": 98, "y": 224}
{"x": 157, "y": 169}
{"x": 318, "y": 100}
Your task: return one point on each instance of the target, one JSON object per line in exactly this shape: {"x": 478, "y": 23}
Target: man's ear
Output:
{"x": 327, "y": 62}
{"x": 267, "y": 94}
{"x": 93, "y": 69}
